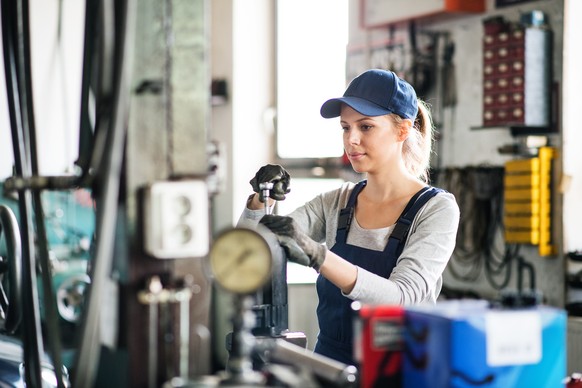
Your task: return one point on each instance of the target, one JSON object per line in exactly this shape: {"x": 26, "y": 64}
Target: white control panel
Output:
{"x": 176, "y": 224}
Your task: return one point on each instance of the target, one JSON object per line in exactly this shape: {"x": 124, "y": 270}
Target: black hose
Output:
{"x": 12, "y": 305}
{"x": 51, "y": 316}
{"x": 523, "y": 266}
{"x": 503, "y": 268}
{"x": 14, "y": 57}
{"x": 478, "y": 191}
{"x": 89, "y": 57}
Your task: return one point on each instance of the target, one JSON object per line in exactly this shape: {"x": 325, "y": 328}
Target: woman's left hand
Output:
{"x": 297, "y": 245}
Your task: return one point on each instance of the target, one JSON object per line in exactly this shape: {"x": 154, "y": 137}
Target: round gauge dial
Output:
{"x": 241, "y": 260}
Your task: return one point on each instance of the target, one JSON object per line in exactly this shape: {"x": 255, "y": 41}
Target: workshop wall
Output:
{"x": 465, "y": 146}
{"x": 453, "y": 86}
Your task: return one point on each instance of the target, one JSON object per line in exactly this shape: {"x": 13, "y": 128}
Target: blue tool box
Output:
{"x": 466, "y": 343}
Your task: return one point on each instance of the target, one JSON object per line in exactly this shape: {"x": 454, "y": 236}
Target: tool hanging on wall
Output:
{"x": 449, "y": 81}
{"x": 423, "y": 61}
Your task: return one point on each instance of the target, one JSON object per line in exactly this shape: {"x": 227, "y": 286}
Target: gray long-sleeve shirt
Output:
{"x": 417, "y": 276}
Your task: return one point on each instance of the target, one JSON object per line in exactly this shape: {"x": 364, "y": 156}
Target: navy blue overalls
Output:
{"x": 334, "y": 311}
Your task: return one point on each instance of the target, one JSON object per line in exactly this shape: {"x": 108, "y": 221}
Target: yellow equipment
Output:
{"x": 527, "y": 211}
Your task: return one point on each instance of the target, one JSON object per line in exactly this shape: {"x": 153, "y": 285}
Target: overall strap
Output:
{"x": 347, "y": 214}
{"x": 398, "y": 236}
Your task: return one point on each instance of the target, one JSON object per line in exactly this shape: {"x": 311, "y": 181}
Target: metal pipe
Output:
{"x": 151, "y": 298}
{"x": 335, "y": 372}
{"x": 109, "y": 177}
{"x": 183, "y": 296}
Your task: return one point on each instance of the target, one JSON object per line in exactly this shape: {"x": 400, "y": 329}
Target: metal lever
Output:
{"x": 335, "y": 373}
{"x": 266, "y": 188}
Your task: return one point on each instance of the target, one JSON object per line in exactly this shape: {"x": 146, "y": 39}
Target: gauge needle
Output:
{"x": 238, "y": 261}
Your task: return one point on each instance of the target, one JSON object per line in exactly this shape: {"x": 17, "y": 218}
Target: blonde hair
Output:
{"x": 417, "y": 148}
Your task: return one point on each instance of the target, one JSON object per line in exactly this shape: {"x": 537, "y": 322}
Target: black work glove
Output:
{"x": 297, "y": 245}
{"x": 275, "y": 174}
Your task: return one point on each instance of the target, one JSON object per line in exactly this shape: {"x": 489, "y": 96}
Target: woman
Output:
{"x": 389, "y": 237}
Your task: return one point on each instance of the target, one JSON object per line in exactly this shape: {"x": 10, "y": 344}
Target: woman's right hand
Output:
{"x": 272, "y": 173}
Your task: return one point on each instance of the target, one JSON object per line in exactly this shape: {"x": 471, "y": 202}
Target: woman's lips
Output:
{"x": 356, "y": 155}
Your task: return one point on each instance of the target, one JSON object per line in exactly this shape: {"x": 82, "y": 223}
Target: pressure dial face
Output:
{"x": 241, "y": 260}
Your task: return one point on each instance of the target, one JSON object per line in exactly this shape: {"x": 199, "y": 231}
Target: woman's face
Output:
{"x": 371, "y": 143}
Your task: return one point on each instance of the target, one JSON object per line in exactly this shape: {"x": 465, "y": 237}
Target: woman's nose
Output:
{"x": 353, "y": 137}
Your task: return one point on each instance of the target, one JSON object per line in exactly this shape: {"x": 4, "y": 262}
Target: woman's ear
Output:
{"x": 404, "y": 129}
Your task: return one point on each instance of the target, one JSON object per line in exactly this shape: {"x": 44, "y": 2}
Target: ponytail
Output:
{"x": 417, "y": 148}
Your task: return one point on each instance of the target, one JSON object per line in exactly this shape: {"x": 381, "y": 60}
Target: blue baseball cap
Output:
{"x": 375, "y": 93}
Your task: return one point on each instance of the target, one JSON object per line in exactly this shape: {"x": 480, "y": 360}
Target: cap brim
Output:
{"x": 333, "y": 108}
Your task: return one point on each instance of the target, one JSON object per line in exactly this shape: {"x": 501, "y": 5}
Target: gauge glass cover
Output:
{"x": 241, "y": 260}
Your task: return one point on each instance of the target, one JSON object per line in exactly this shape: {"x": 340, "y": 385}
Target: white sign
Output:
{"x": 513, "y": 338}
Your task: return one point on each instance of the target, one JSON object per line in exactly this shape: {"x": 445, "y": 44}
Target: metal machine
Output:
{"x": 243, "y": 261}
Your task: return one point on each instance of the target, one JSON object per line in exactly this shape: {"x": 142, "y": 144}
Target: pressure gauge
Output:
{"x": 241, "y": 260}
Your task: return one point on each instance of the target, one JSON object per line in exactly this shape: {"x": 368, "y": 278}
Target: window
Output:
{"x": 311, "y": 56}
{"x": 311, "y": 68}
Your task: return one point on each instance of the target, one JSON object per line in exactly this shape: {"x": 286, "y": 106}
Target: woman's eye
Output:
{"x": 365, "y": 127}
{"x": 345, "y": 129}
